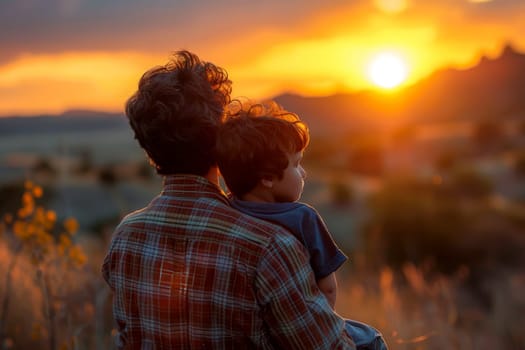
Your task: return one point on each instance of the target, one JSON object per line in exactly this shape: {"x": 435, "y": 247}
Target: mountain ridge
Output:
{"x": 494, "y": 88}
{"x": 66, "y": 122}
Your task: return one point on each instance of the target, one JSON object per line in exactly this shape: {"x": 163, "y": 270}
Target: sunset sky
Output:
{"x": 57, "y": 55}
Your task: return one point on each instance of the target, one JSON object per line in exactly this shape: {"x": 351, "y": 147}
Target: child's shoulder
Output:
{"x": 306, "y": 208}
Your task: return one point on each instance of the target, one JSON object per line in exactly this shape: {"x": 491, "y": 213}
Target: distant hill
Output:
{"x": 67, "y": 122}
{"x": 492, "y": 89}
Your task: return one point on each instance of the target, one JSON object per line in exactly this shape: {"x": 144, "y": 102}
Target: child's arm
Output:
{"x": 328, "y": 285}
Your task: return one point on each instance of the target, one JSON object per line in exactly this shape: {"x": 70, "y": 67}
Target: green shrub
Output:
{"x": 416, "y": 221}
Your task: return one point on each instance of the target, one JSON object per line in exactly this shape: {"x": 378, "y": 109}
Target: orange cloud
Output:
{"x": 54, "y": 83}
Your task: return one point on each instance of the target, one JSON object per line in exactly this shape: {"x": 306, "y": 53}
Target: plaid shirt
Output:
{"x": 190, "y": 272}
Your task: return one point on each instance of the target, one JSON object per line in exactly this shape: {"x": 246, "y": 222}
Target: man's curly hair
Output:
{"x": 176, "y": 112}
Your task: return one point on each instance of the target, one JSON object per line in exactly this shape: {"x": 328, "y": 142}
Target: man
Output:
{"x": 188, "y": 271}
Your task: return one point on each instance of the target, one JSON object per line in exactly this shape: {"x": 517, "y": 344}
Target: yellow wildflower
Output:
{"x": 27, "y": 199}
{"x": 39, "y": 217}
{"x": 19, "y": 229}
{"x": 43, "y": 237}
{"x": 77, "y": 255}
{"x": 37, "y": 191}
{"x": 51, "y": 216}
{"x": 23, "y": 213}
{"x": 65, "y": 241}
{"x": 71, "y": 225}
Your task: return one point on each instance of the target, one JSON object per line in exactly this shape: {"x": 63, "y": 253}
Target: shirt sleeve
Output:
{"x": 325, "y": 255}
{"x": 294, "y": 310}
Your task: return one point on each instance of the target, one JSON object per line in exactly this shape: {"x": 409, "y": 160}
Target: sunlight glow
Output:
{"x": 391, "y": 6}
{"x": 387, "y": 70}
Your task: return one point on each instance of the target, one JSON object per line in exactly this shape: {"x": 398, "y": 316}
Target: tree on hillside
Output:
{"x": 341, "y": 193}
{"x": 145, "y": 171}
{"x": 519, "y": 165}
{"x": 467, "y": 182}
{"x": 44, "y": 166}
{"x": 447, "y": 160}
{"x": 367, "y": 159}
{"x": 521, "y": 128}
{"x": 107, "y": 176}
{"x": 404, "y": 135}
{"x": 488, "y": 134}
{"x": 85, "y": 161}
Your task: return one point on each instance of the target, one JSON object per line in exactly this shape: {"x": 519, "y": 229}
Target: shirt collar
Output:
{"x": 192, "y": 186}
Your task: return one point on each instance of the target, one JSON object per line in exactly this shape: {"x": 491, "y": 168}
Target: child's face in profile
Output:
{"x": 290, "y": 187}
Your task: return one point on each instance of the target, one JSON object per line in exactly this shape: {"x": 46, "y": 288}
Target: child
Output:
{"x": 259, "y": 152}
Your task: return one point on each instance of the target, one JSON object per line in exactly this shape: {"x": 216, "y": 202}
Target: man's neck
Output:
{"x": 213, "y": 175}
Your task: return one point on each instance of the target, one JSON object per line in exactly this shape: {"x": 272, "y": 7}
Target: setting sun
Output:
{"x": 387, "y": 70}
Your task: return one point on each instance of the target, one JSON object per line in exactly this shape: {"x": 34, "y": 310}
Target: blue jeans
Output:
{"x": 365, "y": 337}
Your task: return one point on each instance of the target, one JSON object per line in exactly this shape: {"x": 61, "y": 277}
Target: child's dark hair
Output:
{"x": 254, "y": 142}
{"x": 176, "y": 113}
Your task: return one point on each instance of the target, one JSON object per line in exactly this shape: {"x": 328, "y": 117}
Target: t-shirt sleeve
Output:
{"x": 325, "y": 256}
{"x": 295, "y": 312}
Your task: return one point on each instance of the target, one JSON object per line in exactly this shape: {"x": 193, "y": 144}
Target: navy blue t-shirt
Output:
{"x": 307, "y": 225}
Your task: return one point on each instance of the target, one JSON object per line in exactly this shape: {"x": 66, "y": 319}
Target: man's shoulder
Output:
{"x": 131, "y": 217}
{"x": 224, "y": 220}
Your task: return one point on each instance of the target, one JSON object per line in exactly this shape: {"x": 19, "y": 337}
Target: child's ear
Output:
{"x": 267, "y": 181}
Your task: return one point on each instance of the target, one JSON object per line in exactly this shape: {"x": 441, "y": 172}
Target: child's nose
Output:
{"x": 303, "y": 173}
